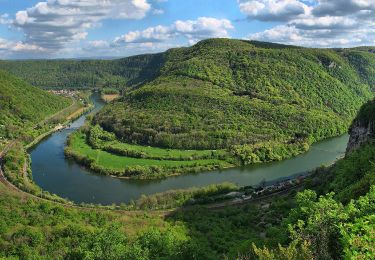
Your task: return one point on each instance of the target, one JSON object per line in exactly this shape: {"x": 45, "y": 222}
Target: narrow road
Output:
{"x": 253, "y": 200}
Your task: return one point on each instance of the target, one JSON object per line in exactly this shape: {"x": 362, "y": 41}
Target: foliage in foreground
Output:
{"x": 41, "y": 230}
{"x": 320, "y": 226}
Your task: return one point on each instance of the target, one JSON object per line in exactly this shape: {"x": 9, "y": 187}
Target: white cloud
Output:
{"x": 316, "y": 38}
{"x": 55, "y": 23}
{"x": 281, "y": 33}
{"x": 4, "y": 19}
{"x": 203, "y": 27}
{"x": 159, "y": 38}
{"x": 272, "y": 10}
{"x": 99, "y": 44}
{"x": 151, "y": 34}
{"x": 9, "y": 47}
{"x": 337, "y": 22}
{"x": 327, "y": 23}
{"x": 158, "y": 11}
{"x": 343, "y": 7}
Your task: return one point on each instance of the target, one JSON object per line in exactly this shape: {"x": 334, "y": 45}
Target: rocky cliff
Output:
{"x": 363, "y": 128}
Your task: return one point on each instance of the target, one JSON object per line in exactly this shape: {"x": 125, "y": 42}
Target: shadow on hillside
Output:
{"x": 229, "y": 230}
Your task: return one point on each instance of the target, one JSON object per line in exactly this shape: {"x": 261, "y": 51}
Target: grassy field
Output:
{"x": 115, "y": 164}
{"x": 107, "y": 141}
{"x": 110, "y": 97}
{"x": 151, "y": 152}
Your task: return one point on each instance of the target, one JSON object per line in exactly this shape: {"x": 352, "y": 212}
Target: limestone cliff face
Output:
{"x": 359, "y": 135}
{"x": 363, "y": 128}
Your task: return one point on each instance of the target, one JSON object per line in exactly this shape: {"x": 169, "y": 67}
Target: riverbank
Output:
{"x": 167, "y": 202}
{"x": 54, "y": 173}
{"x": 211, "y": 193}
{"x": 109, "y": 163}
{"x": 14, "y": 160}
{"x": 77, "y": 112}
{"x": 101, "y": 152}
{"x": 219, "y": 199}
{"x": 109, "y": 97}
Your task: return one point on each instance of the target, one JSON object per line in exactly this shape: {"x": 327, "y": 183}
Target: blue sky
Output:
{"x": 93, "y": 28}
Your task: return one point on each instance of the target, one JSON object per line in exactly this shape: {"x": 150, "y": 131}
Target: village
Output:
{"x": 65, "y": 92}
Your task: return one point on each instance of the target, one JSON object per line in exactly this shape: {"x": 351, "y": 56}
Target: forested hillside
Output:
{"x": 274, "y": 104}
{"x": 86, "y": 74}
{"x": 260, "y": 101}
{"x": 23, "y": 106}
{"x": 307, "y": 225}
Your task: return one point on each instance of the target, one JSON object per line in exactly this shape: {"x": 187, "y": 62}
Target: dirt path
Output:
{"x": 76, "y": 113}
{"x": 110, "y": 97}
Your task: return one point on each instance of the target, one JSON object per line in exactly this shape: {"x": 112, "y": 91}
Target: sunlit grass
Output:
{"x": 117, "y": 162}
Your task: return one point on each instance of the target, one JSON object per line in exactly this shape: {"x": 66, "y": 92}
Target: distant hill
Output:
{"x": 23, "y": 106}
{"x": 221, "y": 93}
{"x": 85, "y": 74}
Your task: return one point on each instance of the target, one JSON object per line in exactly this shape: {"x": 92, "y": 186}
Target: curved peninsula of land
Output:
{"x": 225, "y": 103}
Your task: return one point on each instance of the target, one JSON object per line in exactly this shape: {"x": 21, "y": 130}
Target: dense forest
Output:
{"x": 86, "y": 74}
{"x": 253, "y": 101}
{"x": 260, "y": 102}
{"x": 23, "y": 106}
{"x": 333, "y": 218}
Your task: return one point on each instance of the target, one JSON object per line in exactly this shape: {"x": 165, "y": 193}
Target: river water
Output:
{"x": 54, "y": 173}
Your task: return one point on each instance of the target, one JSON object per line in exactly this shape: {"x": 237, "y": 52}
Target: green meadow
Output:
{"x": 167, "y": 154}
{"x": 107, "y": 141}
{"x": 114, "y": 164}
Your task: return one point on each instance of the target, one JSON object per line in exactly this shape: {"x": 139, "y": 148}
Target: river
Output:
{"x": 54, "y": 173}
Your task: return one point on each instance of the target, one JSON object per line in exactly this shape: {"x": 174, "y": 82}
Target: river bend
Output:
{"x": 54, "y": 173}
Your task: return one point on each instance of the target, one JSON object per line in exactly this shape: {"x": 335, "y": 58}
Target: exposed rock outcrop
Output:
{"x": 362, "y": 129}
{"x": 359, "y": 135}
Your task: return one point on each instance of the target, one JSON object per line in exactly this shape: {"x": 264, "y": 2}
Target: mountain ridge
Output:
{"x": 233, "y": 76}
{"x": 121, "y": 72}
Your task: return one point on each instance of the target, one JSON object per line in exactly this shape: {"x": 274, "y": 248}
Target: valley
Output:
{"x": 64, "y": 177}
{"x": 187, "y": 130}
{"x": 150, "y": 173}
